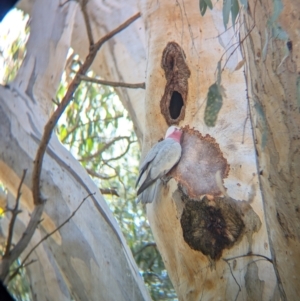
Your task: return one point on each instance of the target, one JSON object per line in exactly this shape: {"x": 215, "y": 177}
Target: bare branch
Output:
{"x": 37, "y": 168}
{"x": 48, "y": 130}
{"x": 65, "y": 101}
{"x": 14, "y": 212}
{"x": 87, "y": 22}
{"x": 239, "y": 44}
{"x": 113, "y": 84}
{"x": 105, "y": 147}
{"x": 23, "y": 242}
{"x": 99, "y": 176}
{"x": 16, "y": 271}
{"x": 55, "y": 230}
{"x": 249, "y": 255}
{"x": 119, "y": 178}
{"x": 124, "y": 153}
{"x": 239, "y": 290}
{"x": 150, "y": 244}
{"x": 110, "y": 191}
{"x": 77, "y": 125}
{"x": 23, "y": 265}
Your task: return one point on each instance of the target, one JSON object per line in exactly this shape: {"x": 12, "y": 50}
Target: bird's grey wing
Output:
{"x": 149, "y": 195}
{"x": 146, "y": 183}
{"x": 166, "y": 159}
{"x": 168, "y": 155}
{"x": 148, "y": 159}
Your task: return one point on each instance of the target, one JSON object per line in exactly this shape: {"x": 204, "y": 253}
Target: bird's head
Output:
{"x": 174, "y": 132}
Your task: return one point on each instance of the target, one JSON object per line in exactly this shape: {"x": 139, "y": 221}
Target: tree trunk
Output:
{"x": 213, "y": 239}
{"x": 226, "y": 223}
{"x": 272, "y": 54}
{"x": 88, "y": 258}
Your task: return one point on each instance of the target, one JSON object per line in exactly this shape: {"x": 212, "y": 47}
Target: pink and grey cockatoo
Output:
{"x": 161, "y": 158}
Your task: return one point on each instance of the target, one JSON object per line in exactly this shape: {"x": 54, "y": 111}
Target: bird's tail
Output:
{"x": 150, "y": 193}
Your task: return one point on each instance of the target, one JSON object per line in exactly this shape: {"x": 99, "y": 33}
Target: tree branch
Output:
{"x": 99, "y": 176}
{"x": 63, "y": 104}
{"x": 105, "y": 147}
{"x": 120, "y": 156}
{"x": 48, "y": 130}
{"x": 22, "y": 243}
{"x": 239, "y": 290}
{"x": 249, "y": 255}
{"x": 16, "y": 271}
{"x": 14, "y": 213}
{"x": 110, "y": 191}
{"x": 150, "y": 244}
{"x": 113, "y": 84}
{"x": 55, "y": 230}
{"x": 87, "y": 22}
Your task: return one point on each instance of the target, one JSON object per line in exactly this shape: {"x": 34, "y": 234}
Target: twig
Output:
{"x": 119, "y": 178}
{"x": 110, "y": 191}
{"x": 23, "y": 242}
{"x": 55, "y": 230}
{"x": 249, "y": 255}
{"x": 240, "y": 256}
{"x": 63, "y": 104}
{"x": 14, "y": 212}
{"x": 48, "y": 130}
{"x": 77, "y": 126}
{"x": 150, "y": 244}
{"x": 226, "y": 260}
{"x": 113, "y": 84}
{"x": 120, "y": 156}
{"x": 99, "y": 176}
{"x": 16, "y": 271}
{"x": 67, "y": 1}
{"x": 150, "y": 273}
{"x": 105, "y": 147}
{"x": 87, "y": 22}
{"x": 239, "y": 44}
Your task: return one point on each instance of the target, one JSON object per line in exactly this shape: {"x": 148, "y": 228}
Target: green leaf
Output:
{"x": 213, "y": 105}
{"x": 209, "y": 4}
{"x": 234, "y": 11}
{"x": 203, "y": 7}
{"x": 62, "y": 132}
{"x": 226, "y": 12}
{"x": 90, "y": 144}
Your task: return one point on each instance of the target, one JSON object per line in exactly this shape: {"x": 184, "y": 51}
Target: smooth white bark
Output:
{"x": 88, "y": 258}
{"x": 130, "y": 57}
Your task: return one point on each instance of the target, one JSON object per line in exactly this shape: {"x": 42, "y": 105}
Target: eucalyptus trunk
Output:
{"x": 227, "y": 222}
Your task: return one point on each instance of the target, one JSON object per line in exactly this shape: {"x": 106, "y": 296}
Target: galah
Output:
{"x": 161, "y": 158}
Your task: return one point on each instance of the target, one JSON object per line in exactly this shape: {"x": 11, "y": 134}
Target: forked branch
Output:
{"x": 23, "y": 264}
{"x": 63, "y": 104}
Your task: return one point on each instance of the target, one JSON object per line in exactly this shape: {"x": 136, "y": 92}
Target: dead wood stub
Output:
{"x": 210, "y": 226}
{"x": 173, "y": 102}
